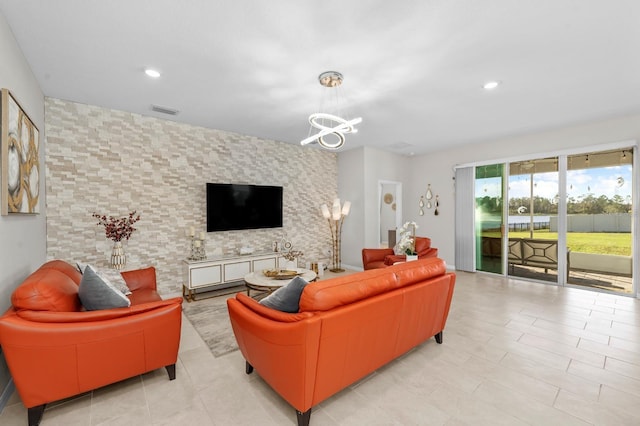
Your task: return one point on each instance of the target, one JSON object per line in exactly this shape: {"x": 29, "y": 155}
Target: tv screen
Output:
{"x": 233, "y": 207}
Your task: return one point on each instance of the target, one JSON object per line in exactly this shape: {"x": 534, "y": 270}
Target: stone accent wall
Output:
{"x": 113, "y": 162}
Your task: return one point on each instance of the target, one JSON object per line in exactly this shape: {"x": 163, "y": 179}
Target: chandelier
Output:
{"x": 330, "y": 125}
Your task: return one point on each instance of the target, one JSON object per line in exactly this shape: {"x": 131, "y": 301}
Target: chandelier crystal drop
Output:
{"x": 331, "y": 127}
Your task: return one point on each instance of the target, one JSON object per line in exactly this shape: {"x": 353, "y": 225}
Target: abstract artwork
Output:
{"x": 20, "y": 159}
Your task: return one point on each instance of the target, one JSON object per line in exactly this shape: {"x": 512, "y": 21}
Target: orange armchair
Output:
{"x": 380, "y": 258}
{"x": 55, "y": 349}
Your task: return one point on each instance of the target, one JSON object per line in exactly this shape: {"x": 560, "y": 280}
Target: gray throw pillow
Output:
{"x": 111, "y": 275}
{"x": 96, "y": 292}
{"x": 286, "y": 298}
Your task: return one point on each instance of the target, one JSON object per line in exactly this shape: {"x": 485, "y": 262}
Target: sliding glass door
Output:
{"x": 568, "y": 219}
{"x": 533, "y": 219}
{"x": 599, "y": 220}
{"x": 489, "y": 218}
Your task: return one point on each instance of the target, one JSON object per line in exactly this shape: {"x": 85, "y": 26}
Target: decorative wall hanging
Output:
{"x": 425, "y": 201}
{"x": 436, "y": 213}
{"x": 388, "y": 198}
{"x": 20, "y": 158}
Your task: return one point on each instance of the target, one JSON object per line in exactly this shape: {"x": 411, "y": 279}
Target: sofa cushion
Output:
{"x": 412, "y": 272}
{"x": 47, "y": 289}
{"x": 286, "y": 298}
{"x": 329, "y": 294}
{"x": 96, "y": 292}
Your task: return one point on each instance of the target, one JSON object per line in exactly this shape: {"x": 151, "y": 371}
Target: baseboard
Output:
{"x": 6, "y": 394}
{"x": 352, "y": 268}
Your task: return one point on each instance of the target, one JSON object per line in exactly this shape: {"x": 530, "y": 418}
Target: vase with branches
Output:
{"x": 118, "y": 229}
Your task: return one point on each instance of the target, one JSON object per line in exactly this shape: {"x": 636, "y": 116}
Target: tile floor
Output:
{"x": 514, "y": 353}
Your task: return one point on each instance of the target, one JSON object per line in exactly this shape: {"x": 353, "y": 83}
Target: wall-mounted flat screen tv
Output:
{"x": 232, "y": 207}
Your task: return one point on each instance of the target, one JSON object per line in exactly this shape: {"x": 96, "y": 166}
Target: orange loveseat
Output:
{"x": 383, "y": 257}
{"x": 346, "y": 328}
{"x": 55, "y": 349}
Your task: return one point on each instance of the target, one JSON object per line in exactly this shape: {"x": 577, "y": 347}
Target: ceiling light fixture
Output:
{"x": 152, "y": 73}
{"x": 490, "y": 85}
{"x": 330, "y": 124}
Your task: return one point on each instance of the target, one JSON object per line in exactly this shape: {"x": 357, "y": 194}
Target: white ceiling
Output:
{"x": 413, "y": 70}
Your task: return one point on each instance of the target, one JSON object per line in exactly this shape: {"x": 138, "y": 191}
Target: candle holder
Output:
{"x": 197, "y": 246}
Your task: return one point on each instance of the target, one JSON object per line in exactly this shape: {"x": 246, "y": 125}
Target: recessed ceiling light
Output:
{"x": 152, "y": 73}
{"x": 489, "y": 85}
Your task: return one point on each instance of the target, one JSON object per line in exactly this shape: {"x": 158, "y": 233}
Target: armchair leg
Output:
{"x": 34, "y": 414}
{"x": 439, "y": 337}
{"x": 171, "y": 370}
{"x": 304, "y": 418}
{"x": 248, "y": 368}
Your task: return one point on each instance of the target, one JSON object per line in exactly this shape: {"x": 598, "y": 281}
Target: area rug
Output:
{"x": 210, "y": 318}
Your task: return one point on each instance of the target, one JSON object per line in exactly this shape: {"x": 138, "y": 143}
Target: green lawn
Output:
{"x": 597, "y": 242}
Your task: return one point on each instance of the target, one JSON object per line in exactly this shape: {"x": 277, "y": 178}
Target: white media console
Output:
{"x": 217, "y": 273}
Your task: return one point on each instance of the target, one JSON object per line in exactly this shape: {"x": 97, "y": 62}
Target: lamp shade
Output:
{"x": 346, "y": 208}
{"x": 325, "y": 211}
{"x": 336, "y": 212}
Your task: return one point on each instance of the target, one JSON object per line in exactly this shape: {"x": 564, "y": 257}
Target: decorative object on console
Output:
{"x": 118, "y": 229}
{"x": 331, "y": 122}
{"x": 20, "y": 159}
{"x": 197, "y": 245}
{"x": 407, "y": 240}
{"x": 292, "y": 257}
{"x": 335, "y": 219}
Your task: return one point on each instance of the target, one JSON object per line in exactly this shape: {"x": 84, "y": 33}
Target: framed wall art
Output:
{"x": 20, "y": 167}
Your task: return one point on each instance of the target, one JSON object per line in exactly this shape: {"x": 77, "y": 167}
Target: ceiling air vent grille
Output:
{"x": 164, "y": 110}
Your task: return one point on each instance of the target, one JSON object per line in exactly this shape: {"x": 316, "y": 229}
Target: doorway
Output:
{"x": 389, "y": 212}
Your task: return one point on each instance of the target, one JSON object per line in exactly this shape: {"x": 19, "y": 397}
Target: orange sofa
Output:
{"x": 346, "y": 328}
{"x": 55, "y": 349}
{"x": 381, "y": 257}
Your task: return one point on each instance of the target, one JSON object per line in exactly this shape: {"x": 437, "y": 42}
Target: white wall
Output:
{"x": 351, "y": 188}
{"x": 437, "y": 168}
{"x": 22, "y": 237}
{"x": 359, "y": 173}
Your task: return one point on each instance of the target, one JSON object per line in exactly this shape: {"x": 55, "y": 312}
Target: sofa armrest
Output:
{"x": 140, "y": 278}
{"x": 394, "y": 258}
{"x": 285, "y": 354}
{"x": 370, "y": 255}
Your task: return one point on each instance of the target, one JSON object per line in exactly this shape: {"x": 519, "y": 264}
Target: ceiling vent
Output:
{"x": 164, "y": 110}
